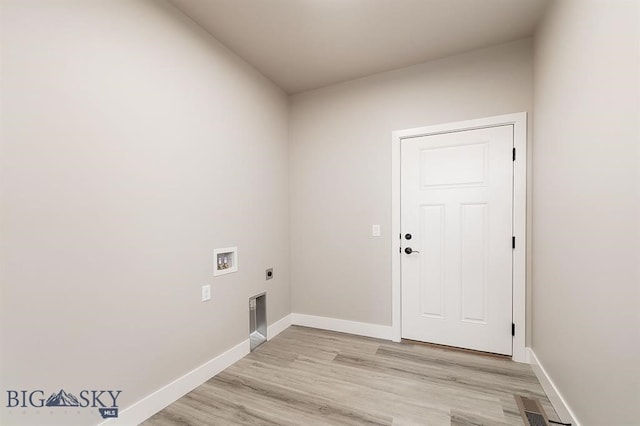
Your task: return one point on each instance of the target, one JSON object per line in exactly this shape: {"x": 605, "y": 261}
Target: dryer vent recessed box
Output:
{"x": 225, "y": 260}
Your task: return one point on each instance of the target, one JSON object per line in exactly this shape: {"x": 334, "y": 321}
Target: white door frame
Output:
{"x": 519, "y": 122}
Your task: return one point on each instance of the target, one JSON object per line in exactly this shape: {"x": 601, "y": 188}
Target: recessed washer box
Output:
{"x": 225, "y": 260}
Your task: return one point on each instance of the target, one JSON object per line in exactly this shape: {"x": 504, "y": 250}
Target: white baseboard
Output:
{"x": 151, "y": 404}
{"x": 343, "y": 326}
{"x": 278, "y": 327}
{"x": 554, "y": 395}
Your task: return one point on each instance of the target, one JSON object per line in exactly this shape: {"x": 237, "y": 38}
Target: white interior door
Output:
{"x": 457, "y": 199}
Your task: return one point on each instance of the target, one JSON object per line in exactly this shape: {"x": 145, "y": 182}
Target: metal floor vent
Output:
{"x": 531, "y": 411}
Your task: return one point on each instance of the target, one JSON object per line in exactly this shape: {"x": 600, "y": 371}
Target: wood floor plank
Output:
{"x": 298, "y": 397}
{"x": 393, "y": 389}
{"x": 308, "y": 376}
{"x": 463, "y": 418}
{"x": 287, "y": 407}
{"x": 319, "y": 379}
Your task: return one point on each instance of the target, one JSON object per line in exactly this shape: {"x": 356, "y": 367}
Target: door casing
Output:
{"x": 519, "y": 122}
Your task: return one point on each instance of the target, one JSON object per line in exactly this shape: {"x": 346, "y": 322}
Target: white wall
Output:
{"x": 133, "y": 144}
{"x": 340, "y": 166}
{"x": 586, "y": 207}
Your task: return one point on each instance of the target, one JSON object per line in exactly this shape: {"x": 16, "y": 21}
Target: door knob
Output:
{"x": 409, "y": 250}
{"x": 407, "y": 236}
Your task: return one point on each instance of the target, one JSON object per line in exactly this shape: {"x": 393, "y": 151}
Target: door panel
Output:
{"x": 457, "y": 203}
{"x": 473, "y": 261}
{"x": 432, "y": 292}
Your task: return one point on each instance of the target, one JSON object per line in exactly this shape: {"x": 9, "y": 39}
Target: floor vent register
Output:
{"x": 531, "y": 411}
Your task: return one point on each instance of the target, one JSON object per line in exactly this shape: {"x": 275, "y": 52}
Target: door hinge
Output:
{"x": 513, "y": 329}
{"x": 514, "y": 154}
{"x": 513, "y": 242}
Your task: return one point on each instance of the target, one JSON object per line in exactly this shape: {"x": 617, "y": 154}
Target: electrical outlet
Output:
{"x": 206, "y": 292}
{"x": 375, "y": 230}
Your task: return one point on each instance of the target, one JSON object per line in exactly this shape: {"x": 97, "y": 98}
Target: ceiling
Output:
{"x": 306, "y": 44}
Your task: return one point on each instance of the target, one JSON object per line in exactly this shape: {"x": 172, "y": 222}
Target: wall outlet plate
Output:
{"x": 375, "y": 230}
{"x": 269, "y": 273}
{"x": 206, "y": 292}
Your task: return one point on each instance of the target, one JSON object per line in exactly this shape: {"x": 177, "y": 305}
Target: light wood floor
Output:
{"x": 314, "y": 377}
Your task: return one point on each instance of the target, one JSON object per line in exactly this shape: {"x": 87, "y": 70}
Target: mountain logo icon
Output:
{"x": 62, "y": 399}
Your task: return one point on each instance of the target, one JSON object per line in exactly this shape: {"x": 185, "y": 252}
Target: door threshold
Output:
{"x": 455, "y": 349}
